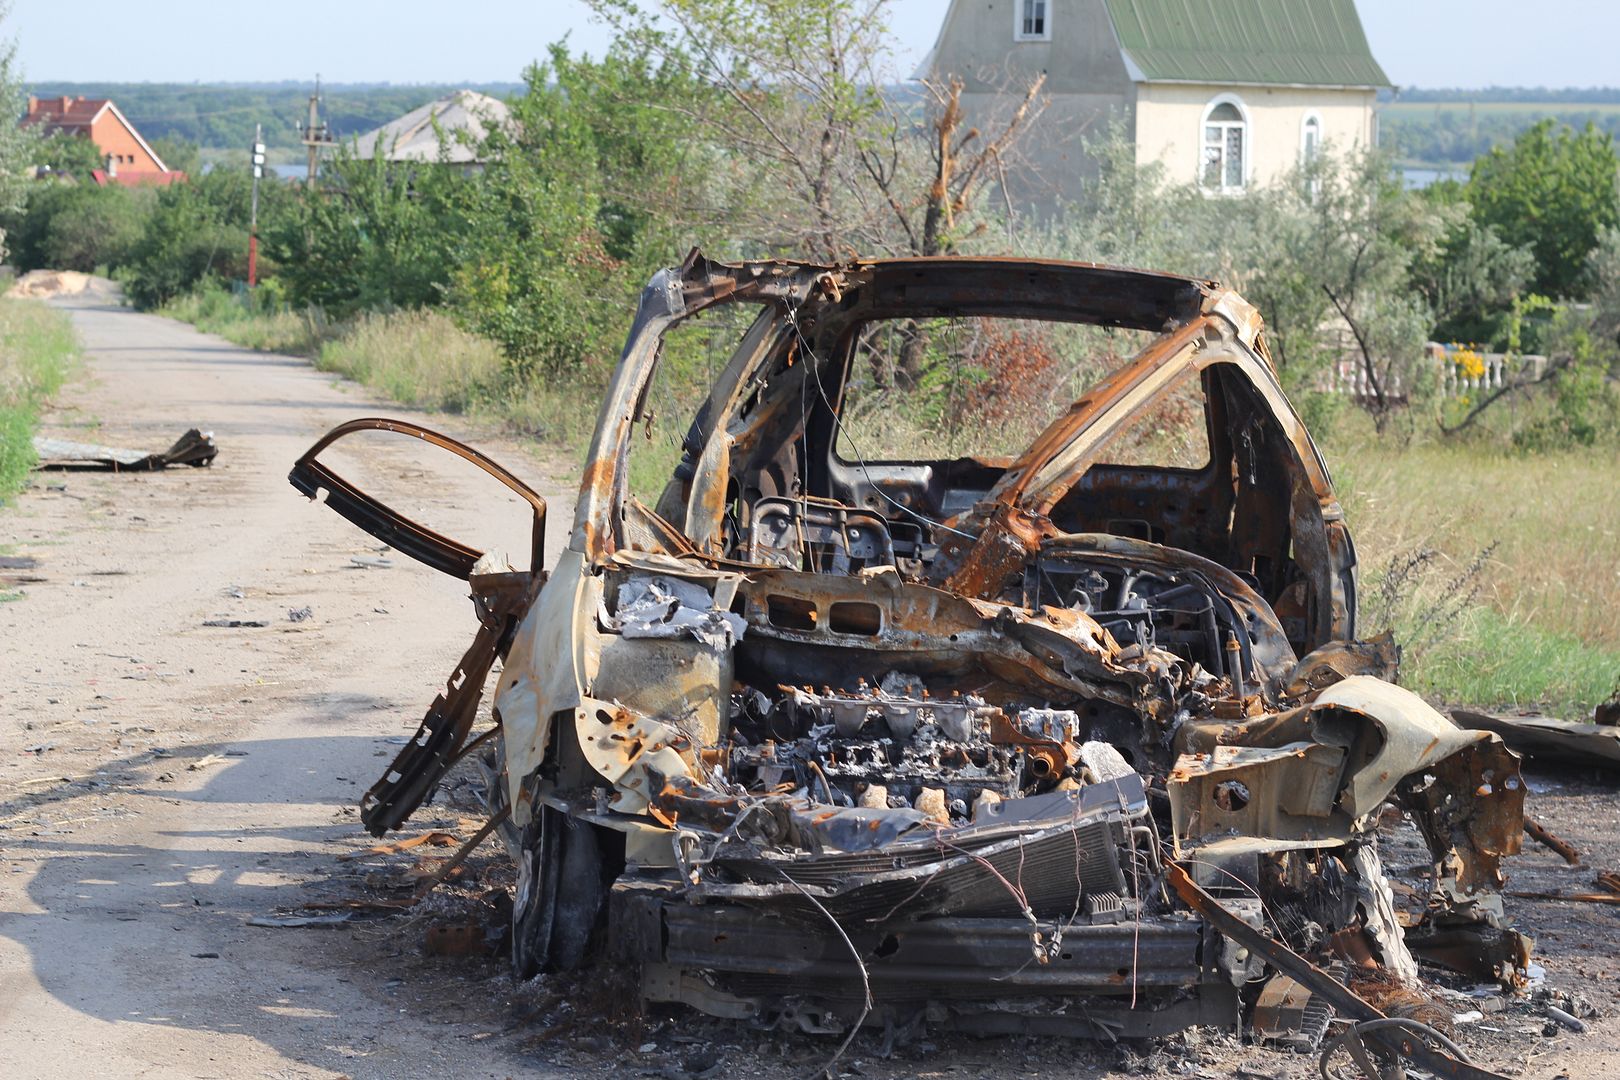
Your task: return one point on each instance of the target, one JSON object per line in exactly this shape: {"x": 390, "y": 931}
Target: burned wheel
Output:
{"x": 561, "y": 894}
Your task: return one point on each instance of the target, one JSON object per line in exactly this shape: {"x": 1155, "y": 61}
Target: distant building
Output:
{"x": 465, "y": 117}
{"x": 1227, "y": 93}
{"x": 127, "y": 157}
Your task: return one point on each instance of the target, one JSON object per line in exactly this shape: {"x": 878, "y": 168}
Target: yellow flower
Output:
{"x": 1470, "y": 365}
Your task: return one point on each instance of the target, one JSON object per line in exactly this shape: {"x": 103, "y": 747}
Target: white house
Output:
{"x": 1229, "y": 93}
{"x": 463, "y": 119}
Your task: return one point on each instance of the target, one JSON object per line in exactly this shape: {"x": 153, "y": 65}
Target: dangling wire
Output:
{"x": 813, "y": 369}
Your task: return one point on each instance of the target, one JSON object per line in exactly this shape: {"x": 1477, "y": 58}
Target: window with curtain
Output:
{"x": 1226, "y": 144}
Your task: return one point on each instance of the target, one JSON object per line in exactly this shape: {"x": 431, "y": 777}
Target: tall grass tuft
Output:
{"x": 37, "y": 350}
{"x": 1503, "y": 569}
{"x": 418, "y": 357}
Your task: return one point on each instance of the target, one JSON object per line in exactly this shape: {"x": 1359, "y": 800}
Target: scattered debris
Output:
{"x": 1542, "y": 835}
{"x": 40, "y": 284}
{"x": 1607, "y": 712}
{"x": 1566, "y": 1019}
{"x": 437, "y": 839}
{"x": 293, "y": 921}
{"x": 1547, "y": 739}
{"x": 13, "y": 570}
{"x": 231, "y": 624}
{"x": 1607, "y": 880}
{"x": 204, "y": 762}
{"x": 194, "y": 448}
{"x": 372, "y": 562}
{"x": 298, "y": 615}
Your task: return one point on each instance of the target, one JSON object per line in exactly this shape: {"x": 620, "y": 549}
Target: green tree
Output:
{"x": 1472, "y": 279}
{"x": 178, "y": 154}
{"x": 74, "y": 155}
{"x": 595, "y": 184}
{"x": 199, "y": 230}
{"x": 1553, "y": 191}
{"x": 79, "y": 226}
{"x": 373, "y": 234}
{"x": 17, "y": 144}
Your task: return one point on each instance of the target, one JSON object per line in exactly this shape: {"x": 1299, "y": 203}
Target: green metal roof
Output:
{"x": 1276, "y": 42}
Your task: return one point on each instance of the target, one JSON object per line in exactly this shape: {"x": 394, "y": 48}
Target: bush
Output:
{"x": 197, "y": 231}
{"x": 79, "y": 226}
{"x": 37, "y": 348}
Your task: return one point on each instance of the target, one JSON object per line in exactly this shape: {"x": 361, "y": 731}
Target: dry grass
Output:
{"x": 1541, "y": 628}
{"x": 421, "y": 358}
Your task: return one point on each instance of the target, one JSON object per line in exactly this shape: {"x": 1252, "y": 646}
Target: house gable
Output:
{"x": 99, "y": 120}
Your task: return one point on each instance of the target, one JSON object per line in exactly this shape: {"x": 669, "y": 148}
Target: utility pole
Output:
{"x": 253, "y": 216}
{"x": 315, "y": 133}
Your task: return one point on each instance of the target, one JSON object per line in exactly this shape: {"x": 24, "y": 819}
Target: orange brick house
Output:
{"x": 127, "y": 157}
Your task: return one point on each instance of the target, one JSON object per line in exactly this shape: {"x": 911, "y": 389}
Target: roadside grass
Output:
{"x": 1535, "y": 625}
{"x": 213, "y": 310}
{"x": 419, "y": 358}
{"x": 37, "y": 351}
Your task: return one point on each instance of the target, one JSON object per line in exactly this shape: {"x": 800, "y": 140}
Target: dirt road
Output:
{"x": 164, "y": 781}
{"x": 127, "y": 875}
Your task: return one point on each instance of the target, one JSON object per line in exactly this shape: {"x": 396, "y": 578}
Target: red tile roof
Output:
{"x": 64, "y": 112}
{"x": 138, "y": 179}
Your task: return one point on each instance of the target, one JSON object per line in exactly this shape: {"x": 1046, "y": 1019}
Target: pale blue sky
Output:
{"x": 1428, "y": 43}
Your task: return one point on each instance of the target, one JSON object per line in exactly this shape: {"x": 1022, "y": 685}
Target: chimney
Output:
{"x": 33, "y": 104}
{"x": 66, "y": 101}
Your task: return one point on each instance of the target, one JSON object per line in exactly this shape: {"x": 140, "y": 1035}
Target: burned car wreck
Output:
{"x": 1036, "y": 743}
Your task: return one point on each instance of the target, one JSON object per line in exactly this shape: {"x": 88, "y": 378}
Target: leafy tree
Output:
{"x": 374, "y": 235}
{"x": 1471, "y": 280}
{"x": 198, "y": 230}
{"x": 71, "y": 154}
{"x": 16, "y": 143}
{"x": 1553, "y": 191}
{"x": 79, "y": 226}
{"x": 178, "y": 154}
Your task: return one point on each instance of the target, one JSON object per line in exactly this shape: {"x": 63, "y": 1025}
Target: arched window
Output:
{"x": 1310, "y": 138}
{"x": 1225, "y": 161}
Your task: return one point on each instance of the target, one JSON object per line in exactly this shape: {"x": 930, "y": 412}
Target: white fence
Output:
{"x": 1458, "y": 372}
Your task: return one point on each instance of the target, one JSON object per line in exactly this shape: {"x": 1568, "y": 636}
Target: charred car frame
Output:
{"x": 1043, "y": 743}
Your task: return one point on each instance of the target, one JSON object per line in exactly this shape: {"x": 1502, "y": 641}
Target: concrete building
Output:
{"x": 128, "y": 158}
{"x": 1227, "y": 93}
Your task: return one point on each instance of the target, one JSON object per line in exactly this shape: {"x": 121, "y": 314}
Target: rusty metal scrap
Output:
{"x": 1030, "y": 743}
{"x": 1545, "y": 836}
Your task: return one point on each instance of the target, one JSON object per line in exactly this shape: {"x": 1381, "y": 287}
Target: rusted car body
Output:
{"x": 1042, "y": 744}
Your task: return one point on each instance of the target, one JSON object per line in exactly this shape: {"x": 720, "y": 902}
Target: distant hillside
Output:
{"x": 1446, "y": 127}
{"x": 1451, "y": 127}
{"x": 222, "y": 115}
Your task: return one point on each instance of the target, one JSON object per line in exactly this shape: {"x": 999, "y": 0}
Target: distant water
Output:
{"x": 1422, "y": 178}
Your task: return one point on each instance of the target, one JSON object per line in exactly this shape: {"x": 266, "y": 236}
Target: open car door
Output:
{"x": 500, "y": 598}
